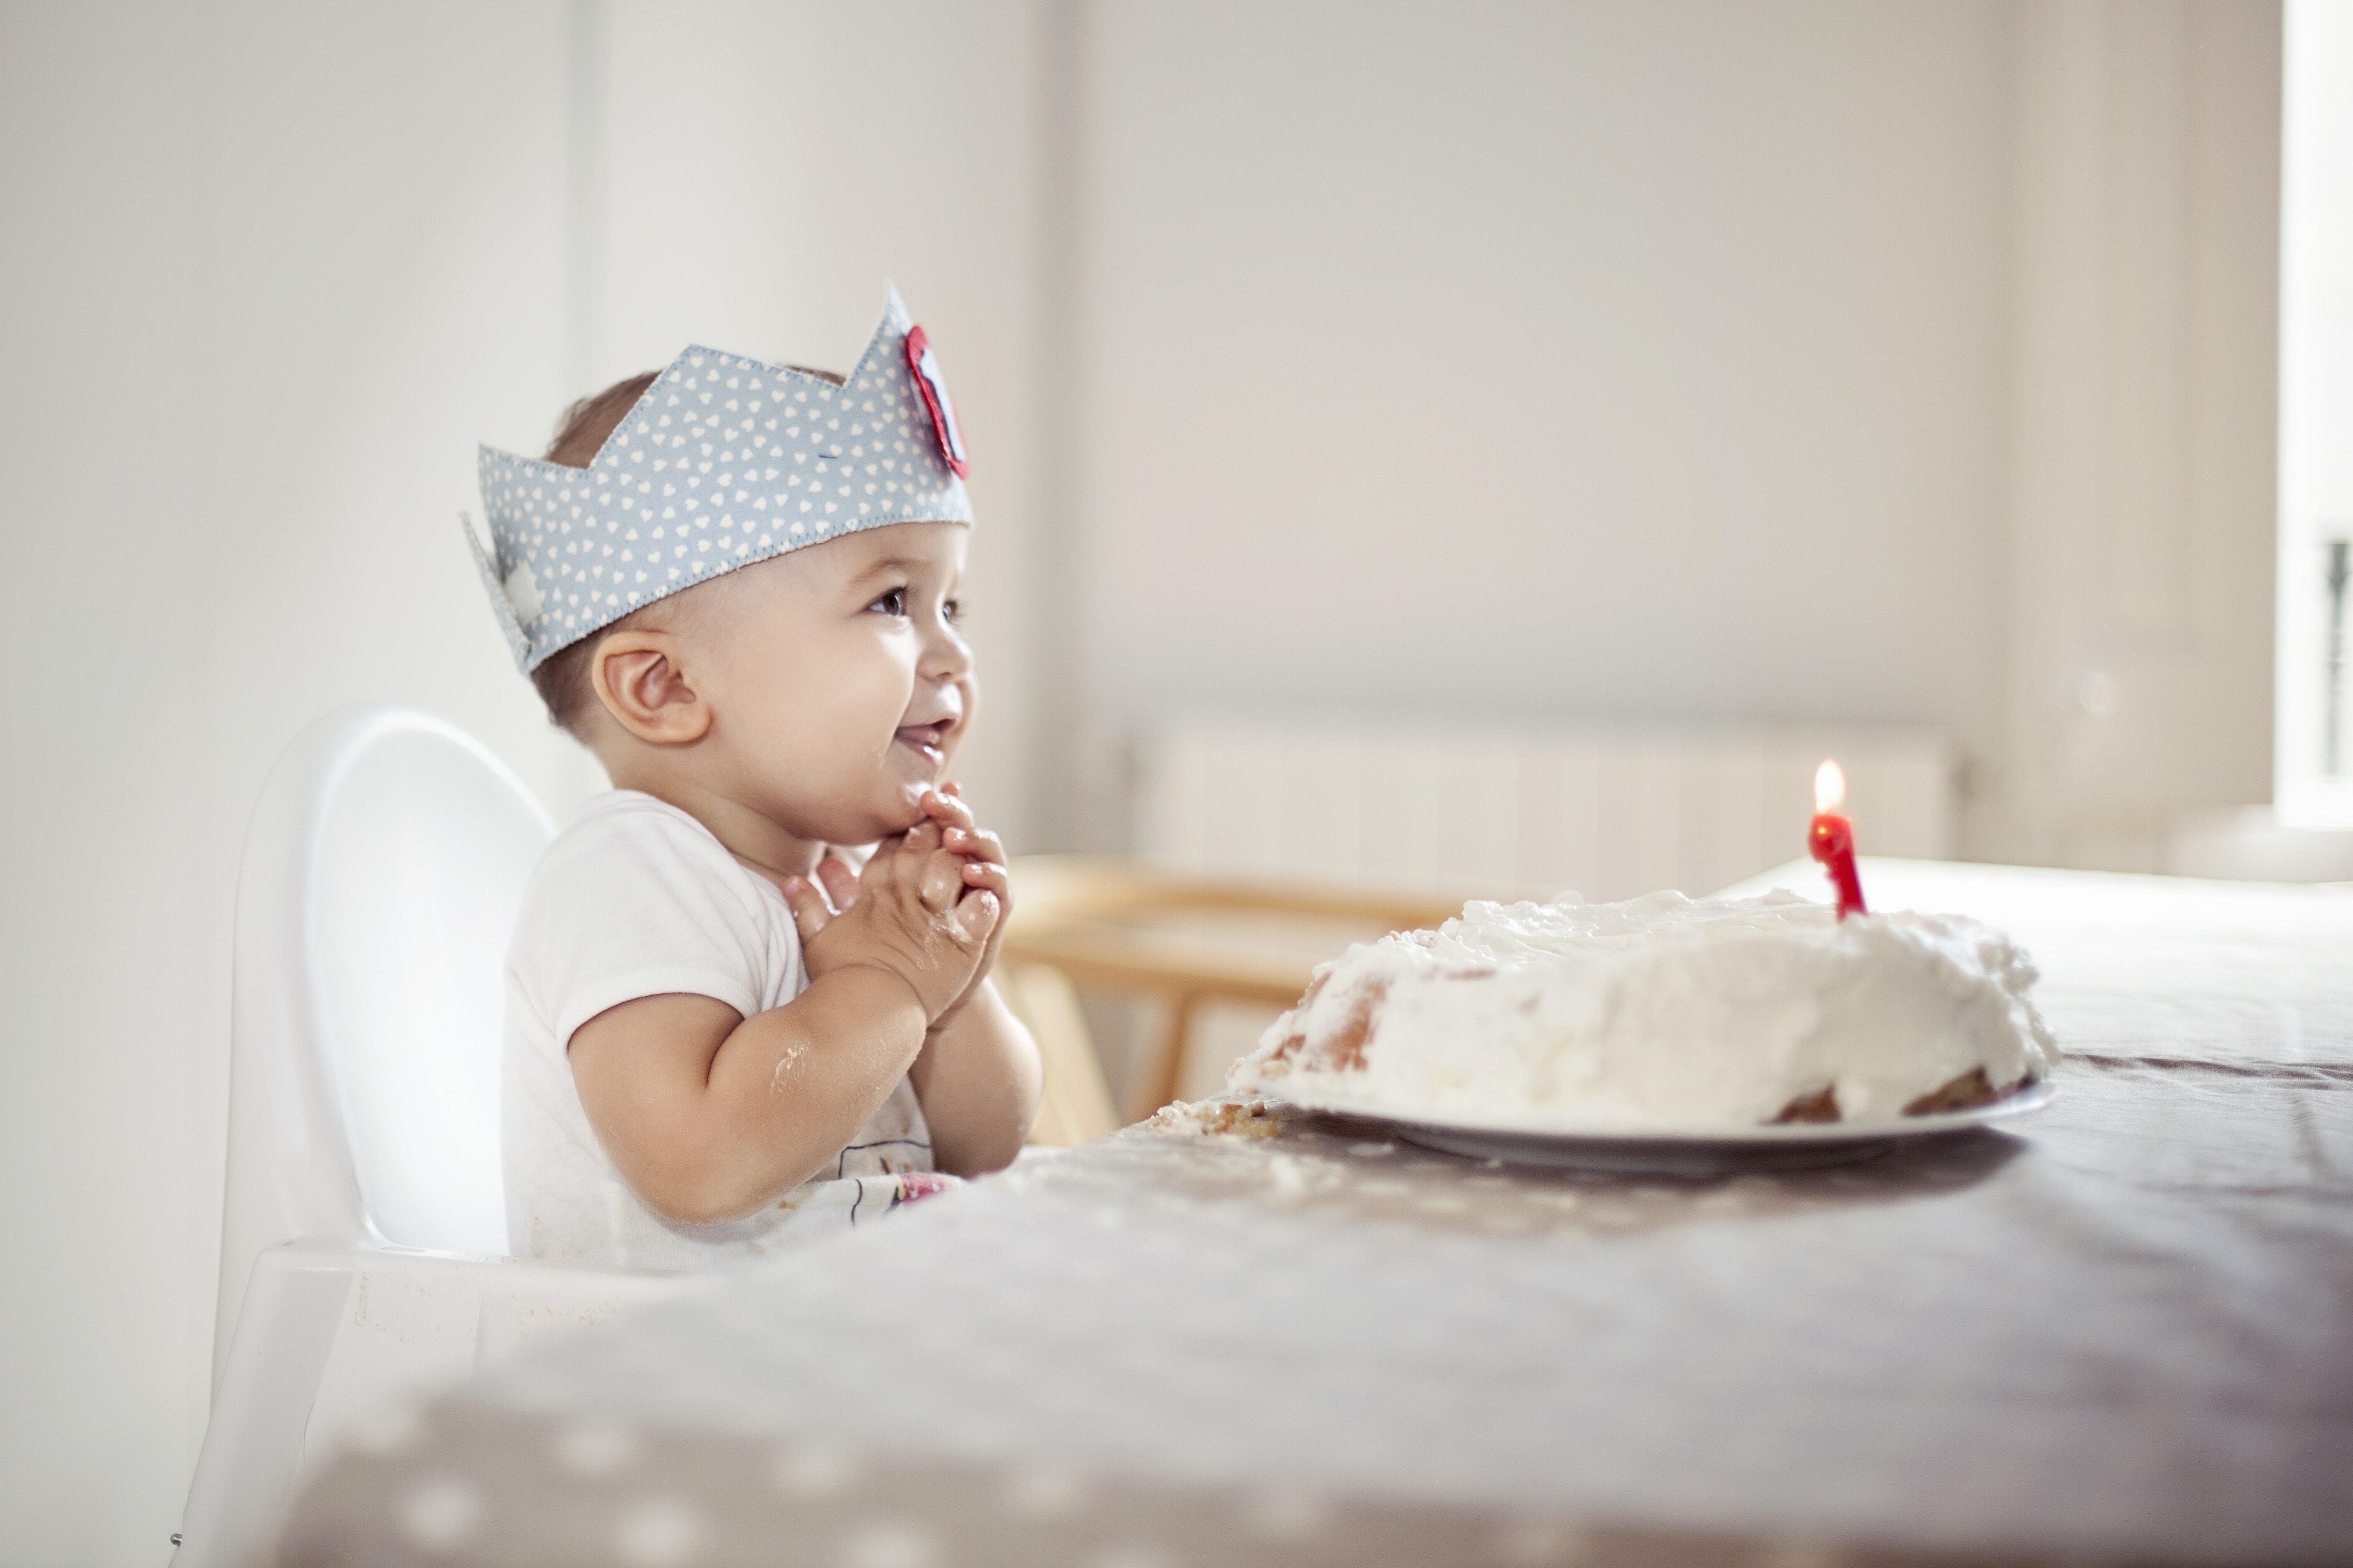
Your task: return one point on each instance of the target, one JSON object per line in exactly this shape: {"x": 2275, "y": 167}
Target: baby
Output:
{"x": 727, "y": 1028}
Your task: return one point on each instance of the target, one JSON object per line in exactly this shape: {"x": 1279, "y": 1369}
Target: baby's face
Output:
{"x": 839, "y": 688}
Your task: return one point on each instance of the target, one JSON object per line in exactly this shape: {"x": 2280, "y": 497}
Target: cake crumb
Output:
{"x": 1229, "y": 1115}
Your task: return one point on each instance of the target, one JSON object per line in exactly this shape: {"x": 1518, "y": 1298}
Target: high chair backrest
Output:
{"x": 383, "y": 870}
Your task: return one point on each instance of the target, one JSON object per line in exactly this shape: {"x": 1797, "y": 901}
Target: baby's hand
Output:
{"x": 914, "y": 916}
{"x": 983, "y": 869}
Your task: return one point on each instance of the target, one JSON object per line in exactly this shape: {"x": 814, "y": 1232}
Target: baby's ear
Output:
{"x": 642, "y": 679}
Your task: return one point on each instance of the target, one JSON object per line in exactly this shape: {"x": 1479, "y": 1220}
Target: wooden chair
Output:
{"x": 1102, "y": 923}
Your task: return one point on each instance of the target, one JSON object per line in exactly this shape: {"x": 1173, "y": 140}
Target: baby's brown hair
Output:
{"x": 562, "y": 680}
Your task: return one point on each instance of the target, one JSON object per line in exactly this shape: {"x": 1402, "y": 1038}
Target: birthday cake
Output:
{"x": 1664, "y": 1014}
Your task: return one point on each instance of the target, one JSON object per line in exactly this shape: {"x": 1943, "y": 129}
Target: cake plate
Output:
{"x": 1702, "y": 1153}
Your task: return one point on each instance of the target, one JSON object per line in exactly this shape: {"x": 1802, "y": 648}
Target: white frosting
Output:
{"x": 1658, "y": 1013}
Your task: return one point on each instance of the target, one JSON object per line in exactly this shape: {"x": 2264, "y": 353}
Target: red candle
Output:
{"x": 1832, "y": 839}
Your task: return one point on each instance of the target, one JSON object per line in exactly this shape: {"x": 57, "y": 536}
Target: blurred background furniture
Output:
{"x": 362, "y": 1250}
{"x": 1127, "y": 928}
{"x": 1525, "y": 810}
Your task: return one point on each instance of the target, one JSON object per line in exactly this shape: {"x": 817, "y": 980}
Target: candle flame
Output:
{"x": 1830, "y": 787}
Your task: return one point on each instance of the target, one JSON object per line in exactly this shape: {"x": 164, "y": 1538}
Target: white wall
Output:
{"x": 1547, "y": 360}
{"x": 103, "y": 1128}
{"x": 1824, "y": 360}
{"x": 2144, "y": 465}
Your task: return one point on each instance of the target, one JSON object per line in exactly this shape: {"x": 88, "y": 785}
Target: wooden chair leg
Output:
{"x": 1162, "y": 1067}
{"x": 1076, "y": 1108}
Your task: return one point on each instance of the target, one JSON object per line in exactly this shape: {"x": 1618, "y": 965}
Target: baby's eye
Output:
{"x": 894, "y": 603}
{"x": 952, "y": 611}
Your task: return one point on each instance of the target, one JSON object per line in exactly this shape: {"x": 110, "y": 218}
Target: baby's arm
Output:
{"x": 978, "y": 1077}
{"x": 979, "y": 1081}
{"x": 708, "y": 1114}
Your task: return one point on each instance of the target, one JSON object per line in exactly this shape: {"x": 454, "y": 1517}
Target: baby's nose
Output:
{"x": 947, "y": 656}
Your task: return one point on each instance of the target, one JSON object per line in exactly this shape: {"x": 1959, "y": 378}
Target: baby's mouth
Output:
{"x": 926, "y": 739}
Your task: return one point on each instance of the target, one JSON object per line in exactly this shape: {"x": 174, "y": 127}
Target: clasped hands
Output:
{"x": 930, "y": 908}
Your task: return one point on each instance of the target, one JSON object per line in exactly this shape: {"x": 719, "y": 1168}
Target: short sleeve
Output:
{"x": 636, "y": 903}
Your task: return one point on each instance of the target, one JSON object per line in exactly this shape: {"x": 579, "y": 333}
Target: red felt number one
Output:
{"x": 925, "y": 365}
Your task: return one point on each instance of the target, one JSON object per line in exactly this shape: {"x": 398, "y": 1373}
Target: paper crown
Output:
{"x": 725, "y": 461}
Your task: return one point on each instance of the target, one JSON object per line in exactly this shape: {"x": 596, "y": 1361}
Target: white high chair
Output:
{"x": 362, "y": 1244}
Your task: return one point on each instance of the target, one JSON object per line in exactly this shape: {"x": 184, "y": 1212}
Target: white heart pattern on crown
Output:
{"x": 574, "y": 549}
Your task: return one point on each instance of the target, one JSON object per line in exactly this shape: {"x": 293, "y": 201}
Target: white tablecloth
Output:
{"x": 2124, "y": 1334}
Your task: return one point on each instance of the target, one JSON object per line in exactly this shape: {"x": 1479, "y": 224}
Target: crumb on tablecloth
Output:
{"x": 1226, "y": 1115}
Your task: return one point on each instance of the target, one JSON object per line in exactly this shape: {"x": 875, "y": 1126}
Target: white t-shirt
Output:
{"x": 637, "y": 898}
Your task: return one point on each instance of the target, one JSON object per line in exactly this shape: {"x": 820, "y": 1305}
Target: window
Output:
{"x": 2315, "y": 577}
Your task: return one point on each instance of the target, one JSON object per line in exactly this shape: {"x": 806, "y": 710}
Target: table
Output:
{"x": 2123, "y": 1334}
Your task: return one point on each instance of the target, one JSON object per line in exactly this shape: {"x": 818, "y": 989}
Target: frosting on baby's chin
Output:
{"x": 1663, "y": 1012}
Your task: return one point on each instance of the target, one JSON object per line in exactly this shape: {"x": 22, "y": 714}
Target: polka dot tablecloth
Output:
{"x": 2123, "y": 1334}
{"x": 669, "y": 1499}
